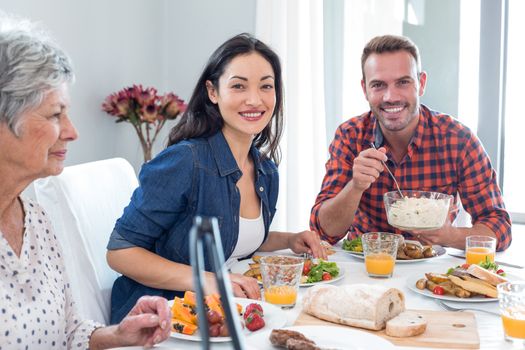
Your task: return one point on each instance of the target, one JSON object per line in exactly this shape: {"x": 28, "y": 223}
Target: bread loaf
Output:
{"x": 358, "y": 305}
{"x": 406, "y": 324}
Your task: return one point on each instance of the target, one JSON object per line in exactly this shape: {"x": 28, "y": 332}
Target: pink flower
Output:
{"x": 148, "y": 113}
{"x": 143, "y": 96}
{"x": 172, "y": 105}
{"x": 145, "y": 110}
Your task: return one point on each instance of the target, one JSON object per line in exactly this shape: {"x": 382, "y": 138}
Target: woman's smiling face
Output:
{"x": 245, "y": 95}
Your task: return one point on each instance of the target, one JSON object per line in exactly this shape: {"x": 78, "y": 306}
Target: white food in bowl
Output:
{"x": 421, "y": 213}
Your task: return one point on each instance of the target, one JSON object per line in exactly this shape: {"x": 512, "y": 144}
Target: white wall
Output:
{"x": 113, "y": 44}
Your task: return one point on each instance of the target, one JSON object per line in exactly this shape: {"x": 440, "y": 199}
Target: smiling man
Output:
{"x": 425, "y": 149}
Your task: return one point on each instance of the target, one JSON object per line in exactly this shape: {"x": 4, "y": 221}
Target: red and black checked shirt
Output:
{"x": 443, "y": 156}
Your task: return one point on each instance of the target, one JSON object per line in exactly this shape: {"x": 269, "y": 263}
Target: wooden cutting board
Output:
{"x": 445, "y": 329}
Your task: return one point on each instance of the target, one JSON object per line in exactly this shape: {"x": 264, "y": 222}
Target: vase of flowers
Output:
{"x": 146, "y": 111}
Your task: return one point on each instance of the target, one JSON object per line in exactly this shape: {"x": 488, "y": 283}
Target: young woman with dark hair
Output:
{"x": 221, "y": 161}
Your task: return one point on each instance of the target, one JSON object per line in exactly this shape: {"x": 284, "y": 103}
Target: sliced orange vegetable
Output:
{"x": 183, "y": 312}
{"x": 239, "y": 309}
{"x": 180, "y": 326}
{"x": 190, "y": 298}
{"x": 214, "y": 303}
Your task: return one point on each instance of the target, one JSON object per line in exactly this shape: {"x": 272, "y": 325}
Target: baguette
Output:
{"x": 406, "y": 324}
{"x": 358, "y": 305}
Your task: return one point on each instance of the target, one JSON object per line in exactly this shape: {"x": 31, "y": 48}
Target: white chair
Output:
{"x": 83, "y": 204}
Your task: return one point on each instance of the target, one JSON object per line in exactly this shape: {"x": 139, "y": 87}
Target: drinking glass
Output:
{"x": 480, "y": 248}
{"x": 380, "y": 250}
{"x": 281, "y": 276}
{"x": 511, "y": 297}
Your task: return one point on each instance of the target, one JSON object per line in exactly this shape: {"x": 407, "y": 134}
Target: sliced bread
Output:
{"x": 406, "y": 324}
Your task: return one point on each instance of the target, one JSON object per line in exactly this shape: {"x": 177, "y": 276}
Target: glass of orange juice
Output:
{"x": 511, "y": 297}
{"x": 281, "y": 276}
{"x": 480, "y": 248}
{"x": 380, "y": 250}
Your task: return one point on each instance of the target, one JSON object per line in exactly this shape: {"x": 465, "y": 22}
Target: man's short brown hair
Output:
{"x": 390, "y": 43}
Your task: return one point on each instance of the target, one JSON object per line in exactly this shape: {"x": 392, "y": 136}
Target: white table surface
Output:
{"x": 489, "y": 327}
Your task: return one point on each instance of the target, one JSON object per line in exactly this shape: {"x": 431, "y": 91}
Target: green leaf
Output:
{"x": 355, "y": 245}
{"x": 316, "y": 273}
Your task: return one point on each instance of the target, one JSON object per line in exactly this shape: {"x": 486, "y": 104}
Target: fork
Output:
{"x": 452, "y": 308}
{"x": 391, "y": 175}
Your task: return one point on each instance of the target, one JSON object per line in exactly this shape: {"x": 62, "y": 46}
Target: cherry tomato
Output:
{"x": 438, "y": 290}
{"x": 465, "y": 266}
{"x": 307, "y": 267}
{"x": 326, "y": 276}
{"x": 500, "y": 272}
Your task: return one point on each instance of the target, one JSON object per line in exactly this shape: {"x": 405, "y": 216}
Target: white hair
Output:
{"x": 31, "y": 64}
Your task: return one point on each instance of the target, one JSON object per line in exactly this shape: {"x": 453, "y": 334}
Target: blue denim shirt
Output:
{"x": 192, "y": 177}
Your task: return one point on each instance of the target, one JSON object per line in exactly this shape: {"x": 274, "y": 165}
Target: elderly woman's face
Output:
{"x": 41, "y": 146}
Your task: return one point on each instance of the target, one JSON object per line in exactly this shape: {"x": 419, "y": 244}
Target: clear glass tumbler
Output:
{"x": 281, "y": 276}
{"x": 380, "y": 251}
{"x": 511, "y": 297}
{"x": 479, "y": 248}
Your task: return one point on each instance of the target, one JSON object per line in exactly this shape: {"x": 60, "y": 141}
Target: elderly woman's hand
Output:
{"x": 148, "y": 323}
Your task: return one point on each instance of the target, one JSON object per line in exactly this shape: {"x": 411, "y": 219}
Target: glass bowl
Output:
{"x": 417, "y": 210}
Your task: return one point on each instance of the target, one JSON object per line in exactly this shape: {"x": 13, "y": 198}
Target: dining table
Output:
{"x": 489, "y": 327}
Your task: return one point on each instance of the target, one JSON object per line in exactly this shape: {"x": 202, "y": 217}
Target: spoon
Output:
{"x": 391, "y": 175}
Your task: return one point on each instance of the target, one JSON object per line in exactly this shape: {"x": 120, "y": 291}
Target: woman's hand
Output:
{"x": 148, "y": 323}
{"x": 242, "y": 286}
{"x": 245, "y": 287}
{"x": 307, "y": 242}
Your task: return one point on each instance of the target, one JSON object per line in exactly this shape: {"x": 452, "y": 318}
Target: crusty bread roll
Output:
{"x": 406, "y": 324}
{"x": 358, "y": 305}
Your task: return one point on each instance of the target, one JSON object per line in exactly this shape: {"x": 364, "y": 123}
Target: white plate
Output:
{"x": 274, "y": 317}
{"x": 440, "y": 251}
{"x": 336, "y": 338}
{"x": 411, "y": 284}
{"x": 242, "y": 266}
{"x": 335, "y": 279}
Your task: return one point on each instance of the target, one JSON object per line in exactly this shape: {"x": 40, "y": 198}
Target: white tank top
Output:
{"x": 251, "y": 236}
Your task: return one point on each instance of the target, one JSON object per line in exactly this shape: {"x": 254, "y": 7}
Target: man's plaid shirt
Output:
{"x": 443, "y": 156}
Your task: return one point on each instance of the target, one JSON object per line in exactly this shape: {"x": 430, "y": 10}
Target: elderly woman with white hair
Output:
{"x": 37, "y": 311}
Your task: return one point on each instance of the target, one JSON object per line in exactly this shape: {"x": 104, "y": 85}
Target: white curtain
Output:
{"x": 294, "y": 29}
{"x": 364, "y": 19}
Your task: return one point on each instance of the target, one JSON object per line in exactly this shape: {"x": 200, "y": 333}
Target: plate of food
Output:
{"x": 184, "y": 318}
{"x": 408, "y": 251}
{"x": 315, "y": 271}
{"x": 467, "y": 283}
{"x": 324, "y": 337}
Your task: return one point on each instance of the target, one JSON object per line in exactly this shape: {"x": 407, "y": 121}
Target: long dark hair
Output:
{"x": 202, "y": 117}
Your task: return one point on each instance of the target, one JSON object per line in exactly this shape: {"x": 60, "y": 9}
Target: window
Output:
{"x": 514, "y": 142}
